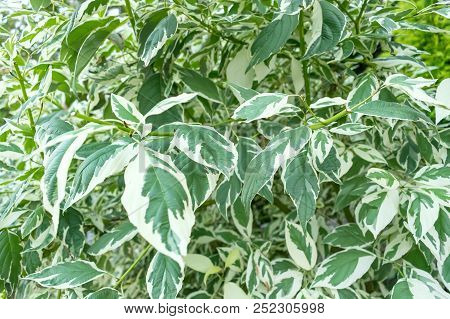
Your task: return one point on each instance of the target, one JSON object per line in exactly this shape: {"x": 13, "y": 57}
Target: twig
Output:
{"x": 133, "y": 265}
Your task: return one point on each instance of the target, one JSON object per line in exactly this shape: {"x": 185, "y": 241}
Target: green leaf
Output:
{"x": 391, "y": 110}
{"x": 272, "y": 38}
{"x": 104, "y": 293}
{"x": 158, "y": 203}
{"x": 348, "y": 236}
{"x": 77, "y": 36}
{"x": 200, "y": 84}
{"x": 343, "y": 269}
{"x": 301, "y": 183}
{"x": 91, "y": 44}
{"x": 66, "y": 275}
{"x": 164, "y": 277}
{"x": 233, "y": 291}
{"x": 40, "y": 4}
{"x": 10, "y": 256}
{"x": 113, "y": 239}
{"x": 165, "y": 29}
{"x": 328, "y": 25}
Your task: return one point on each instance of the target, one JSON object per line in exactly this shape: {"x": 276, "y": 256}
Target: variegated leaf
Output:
{"x": 350, "y": 129}
{"x": 369, "y": 154}
{"x": 163, "y": 31}
{"x": 113, "y": 239}
{"x": 348, "y": 236}
{"x": 301, "y": 246}
{"x": 259, "y": 272}
{"x": 343, "y": 269}
{"x": 263, "y": 166}
{"x": 201, "y": 181}
{"x": 261, "y": 106}
{"x": 125, "y": 110}
{"x": 320, "y": 144}
{"x": 423, "y": 211}
{"x": 66, "y": 275}
{"x": 376, "y": 210}
{"x": 204, "y": 145}
{"x": 103, "y": 163}
{"x": 301, "y": 183}
{"x": 56, "y": 169}
{"x": 286, "y": 285}
{"x": 158, "y": 203}
{"x": 164, "y": 277}
{"x": 383, "y": 178}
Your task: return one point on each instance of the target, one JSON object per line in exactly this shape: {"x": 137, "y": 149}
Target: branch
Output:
{"x": 133, "y": 265}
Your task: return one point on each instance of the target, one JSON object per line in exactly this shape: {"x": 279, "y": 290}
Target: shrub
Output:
{"x": 209, "y": 149}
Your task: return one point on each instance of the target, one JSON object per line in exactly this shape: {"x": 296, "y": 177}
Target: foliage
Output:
{"x": 209, "y": 149}
{"x": 435, "y": 45}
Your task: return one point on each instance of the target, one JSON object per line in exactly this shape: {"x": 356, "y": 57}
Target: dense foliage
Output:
{"x": 222, "y": 149}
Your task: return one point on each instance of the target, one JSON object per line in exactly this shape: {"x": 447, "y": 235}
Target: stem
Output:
{"x": 133, "y": 265}
{"x": 343, "y": 9}
{"x": 30, "y": 118}
{"x": 214, "y": 30}
{"x": 342, "y": 113}
{"x": 332, "y": 119}
{"x": 21, "y": 81}
{"x": 118, "y": 126}
{"x": 130, "y": 16}
{"x": 25, "y": 95}
{"x": 358, "y": 19}
{"x": 301, "y": 30}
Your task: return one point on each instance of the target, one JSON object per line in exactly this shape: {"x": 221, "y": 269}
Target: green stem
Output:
{"x": 214, "y": 30}
{"x": 130, "y": 15}
{"x": 360, "y": 15}
{"x": 342, "y": 113}
{"x": 133, "y": 265}
{"x": 301, "y": 30}
{"x": 226, "y": 122}
{"x": 330, "y": 120}
{"x": 25, "y": 95}
{"x": 343, "y": 9}
{"x": 31, "y": 120}
{"x": 118, "y": 126}
{"x": 98, "y": 121}
{"x": 21, "y": 81}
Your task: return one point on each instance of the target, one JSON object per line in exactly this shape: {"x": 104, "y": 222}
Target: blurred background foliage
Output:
{"x": 437, "y": 45}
